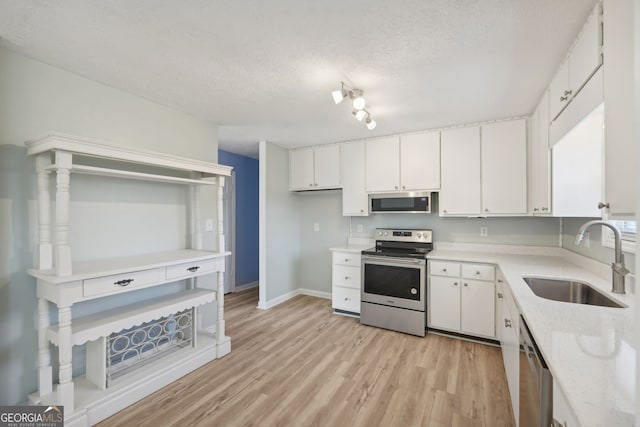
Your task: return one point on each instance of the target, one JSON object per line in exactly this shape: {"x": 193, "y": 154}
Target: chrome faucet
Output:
{"x": 618, "y": 268}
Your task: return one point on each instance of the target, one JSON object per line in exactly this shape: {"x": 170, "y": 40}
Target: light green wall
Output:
{"x": 282, "y": 234}
{"x": 595, "y": 250}
{"x": 37, "y": 98}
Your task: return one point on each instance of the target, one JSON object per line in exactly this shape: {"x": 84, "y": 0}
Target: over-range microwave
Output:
{"x": 409, "y": 202}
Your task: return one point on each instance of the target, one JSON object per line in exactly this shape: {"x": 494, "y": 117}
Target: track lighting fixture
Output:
{"x": 358, "y": 103}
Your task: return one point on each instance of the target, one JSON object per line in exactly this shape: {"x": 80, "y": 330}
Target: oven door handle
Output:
{"x": 394, "y": 260}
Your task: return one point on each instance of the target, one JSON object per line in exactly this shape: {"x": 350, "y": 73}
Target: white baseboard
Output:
{"x": 314, "y": 293}
{"x": 246, "y": 286}
{"x": 300, "y": 291}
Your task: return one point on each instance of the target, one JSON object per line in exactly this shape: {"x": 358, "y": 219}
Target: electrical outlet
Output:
{"x": 484, "y": 231}
{"x": 360, "y": 228}
{"x": 208, "y": 225}
{"x": 316, "y": 226}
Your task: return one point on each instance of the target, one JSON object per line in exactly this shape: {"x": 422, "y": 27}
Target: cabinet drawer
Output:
{"x": 445, "y": 268}
{"x": 478, "y": 271}
{"x": 346, "y": 258}
{"x": 121, "y": 282}
{"x": 347, "y": 299}
{"x": 346, "y": 276}
{"x": 195, "y": 268}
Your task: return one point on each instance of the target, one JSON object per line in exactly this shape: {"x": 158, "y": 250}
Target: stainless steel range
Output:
{"x": 394, "y": 280}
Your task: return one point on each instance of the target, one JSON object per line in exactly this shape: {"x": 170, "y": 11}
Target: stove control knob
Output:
{"x": 419, "y": 235}
{"x": 386, "y": 233}
{"x": 379, "y": 233}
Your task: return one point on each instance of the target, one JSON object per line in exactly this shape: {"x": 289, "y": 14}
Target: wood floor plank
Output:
{"x": 300, "y": 365}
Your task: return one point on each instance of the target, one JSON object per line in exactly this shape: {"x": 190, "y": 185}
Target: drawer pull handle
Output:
{"x": 500, "y": 295}
{"x": 123, "y": 282}
{"x": 194, "y": 268}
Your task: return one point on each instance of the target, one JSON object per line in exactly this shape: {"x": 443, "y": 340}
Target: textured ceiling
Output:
{"x": 264, "y": 69}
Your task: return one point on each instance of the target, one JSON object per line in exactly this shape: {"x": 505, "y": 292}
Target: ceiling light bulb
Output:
{"x": 359, "y": 103}
{"x": 360, "y": 114}
{"x": 338, "y": 96}
{"x": 371, "y": 124}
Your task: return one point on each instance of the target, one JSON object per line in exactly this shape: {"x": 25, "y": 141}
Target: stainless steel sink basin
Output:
{"x": 569, "y": 291}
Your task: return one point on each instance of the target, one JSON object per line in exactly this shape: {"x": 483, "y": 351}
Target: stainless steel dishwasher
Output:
{"x": 536, "y": 383}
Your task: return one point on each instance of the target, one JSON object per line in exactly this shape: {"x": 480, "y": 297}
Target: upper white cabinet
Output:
{"x": 583, "y": 60}
{"x": 406, "y": 163}
{"x": 460, "y": 172}
{"x": 315, "y": 168}
{"x": 383, "y": 164}
{"x": 540, "y": 159}
{"x": 354, "y": 194}
{"x": 504, "y": 167}
{"x": 620, "y": 174}
{"x": 484, "y": 175}
{"x": 420, "y": 161}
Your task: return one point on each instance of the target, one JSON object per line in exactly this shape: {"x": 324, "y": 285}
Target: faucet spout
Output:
{"x": 618, "y": 269}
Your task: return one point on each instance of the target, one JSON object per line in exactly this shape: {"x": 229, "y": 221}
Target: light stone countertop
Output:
{"x": 351, "y": 248}
{"x": 589, "y": 349}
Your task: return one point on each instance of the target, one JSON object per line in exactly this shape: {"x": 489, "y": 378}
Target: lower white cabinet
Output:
{"x": 462, "y": 298}
{"x": 507, "y": 330}
{"x": 345, "y": 282}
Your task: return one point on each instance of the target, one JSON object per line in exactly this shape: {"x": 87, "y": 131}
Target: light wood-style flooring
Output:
{"x": 300, "y": 365}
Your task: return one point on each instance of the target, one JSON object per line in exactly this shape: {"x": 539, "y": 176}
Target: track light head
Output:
{"x": 338, "y": 96}
{"x": 360, "y": 114}
{"x": 371, "y": 124}
{"x": 359, "y": 103}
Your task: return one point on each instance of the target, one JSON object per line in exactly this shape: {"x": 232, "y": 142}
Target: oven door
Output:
{"x": 395, "y": 282}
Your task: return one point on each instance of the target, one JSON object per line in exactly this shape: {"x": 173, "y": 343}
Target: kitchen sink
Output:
{"x": 569, "y": 291}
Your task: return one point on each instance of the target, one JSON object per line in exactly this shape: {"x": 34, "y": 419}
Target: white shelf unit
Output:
{"x": 63, "y": 282}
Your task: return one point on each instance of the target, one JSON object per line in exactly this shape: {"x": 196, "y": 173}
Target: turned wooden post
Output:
{"x": 65, "y": 382}
{"x": 62, "y": 249}
{"x": 221, "y": 248}
{"x": 45, "y": 378}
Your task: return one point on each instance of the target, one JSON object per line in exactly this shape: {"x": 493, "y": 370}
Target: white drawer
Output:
{"x": 346, "y": 258}
{"x": 444, "y": 268}
{"x": 479, "y": 272}
{"x": 347, "y": 299}
{"x": 346, "y": 276}
{"x": 195, "y": 268}
{"x": 121, "y": 282}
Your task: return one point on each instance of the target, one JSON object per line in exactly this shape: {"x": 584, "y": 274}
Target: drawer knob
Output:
{"x": 466, "y": 285}
{"x": 500, "y": 295}
{"x": 346, "y": 260}
{"x": 123, "y": 282}
{"x": 477, "y": 273}
{"x": 507, "y": 323}
{"x": 347, "y": 299}
{"x": 194, "y": 268}
{"x": 346, "y": 277}
{"x": 444, "y": 270}
{"x": 455, "y": 283}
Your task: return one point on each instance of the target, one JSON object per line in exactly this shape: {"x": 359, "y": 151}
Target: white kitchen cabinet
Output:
{"x": 464, "y": 302}
{"x": 345, "y": 282}
{"x": 540, "y": 159}
{"x": 420, "y": 161}
{"x": 354, "y": 193}
{"x": 406, "y": 163}
{"x": 619, "y": 160}
{"x": 444, "y": 303}
{"x": 316, "y": 168}
{"x": 460, "y": 172}
{"x": 383, "y": 164}
{"x": 562, "y": 412}
{"x": 504, "y": 167}
{"x": 584, "y": 58}
{"x": 507, "y": 325}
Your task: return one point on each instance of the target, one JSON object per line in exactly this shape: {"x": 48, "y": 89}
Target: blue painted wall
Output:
{"x": 246, "y": 170}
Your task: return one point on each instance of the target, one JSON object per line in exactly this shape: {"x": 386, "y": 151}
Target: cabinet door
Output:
{"x": 559, "y": 91}
{"x": 354, "y": 193}
{"x": 504, "y": 167}
{"x": 383, "y": 164}
{"x": 460, "y": 171}
{"x": 301, "y": 169}
{"x": 562, "y": 412}
{"x": 477, "y": 307}
{"x": 619, "y": 160}
{"x": 420, "y": 161}
{"x": 444, "y": 303}
{"x": 585, "y": 57}
{"x": 542, "y": 159}
{"x": 512, "y": 359}
{"x": 326, "y": 166}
